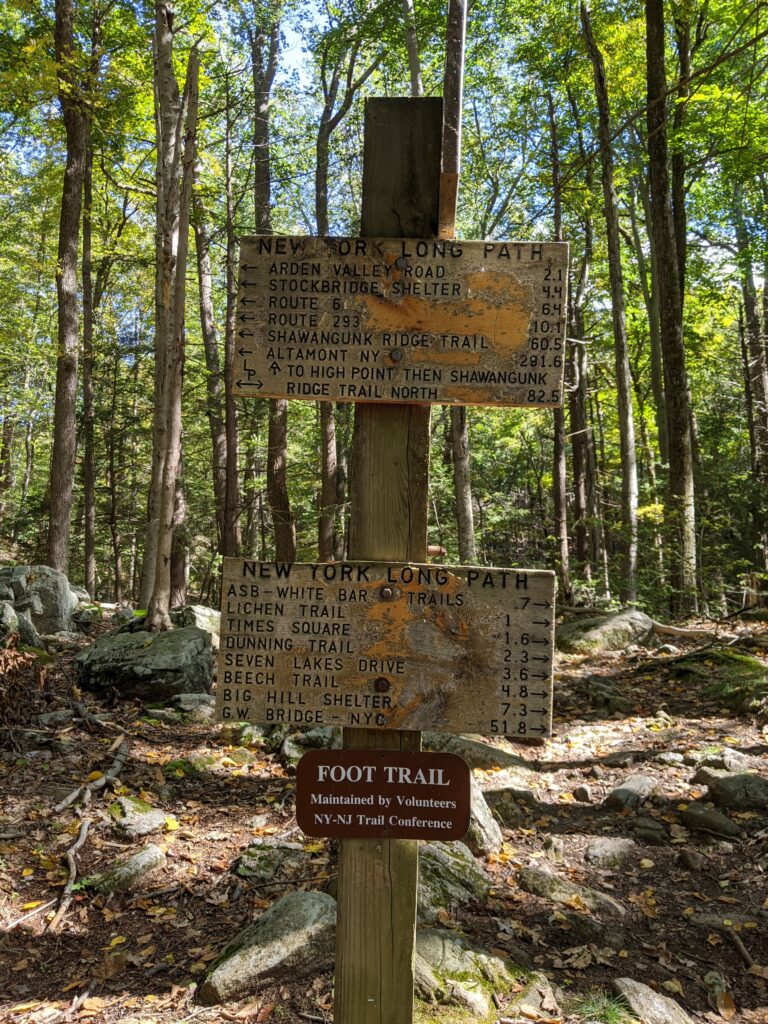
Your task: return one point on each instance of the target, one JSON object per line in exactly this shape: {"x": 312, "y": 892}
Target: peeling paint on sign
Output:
{"x": 390, "y": 320}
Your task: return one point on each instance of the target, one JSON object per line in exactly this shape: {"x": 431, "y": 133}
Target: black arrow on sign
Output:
{"x": 544, "y": 642}
{"x": 245, "y": 317}
{"x": 248, "y": 302}
{"x": 542, "y": 604}
{"x": 247, "y": 284}
{"x": 247, "y": 266}
{"x": 537, "y": 711}
{"x": 250, "y": 384}
{"x": 539, "y": 657}
{"x": 539, "y": 693}
{"x": 541, "y": 622}
{"x": 245, "y": 352}
{"x": 537, "y": 728}
{"x": 246, "y": 334}
{"x": 539, "y": 675}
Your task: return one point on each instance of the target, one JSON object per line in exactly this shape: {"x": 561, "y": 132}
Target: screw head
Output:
{"x": 386, "y": 593}
{"x": 381, "y": 685}
{"x": 396, "y": 355}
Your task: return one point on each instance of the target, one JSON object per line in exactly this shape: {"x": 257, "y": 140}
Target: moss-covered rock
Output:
{"x": 135, "y": 818}
{"x": 449, "y": 877}
{"x": 592, "y": 634}
{"x": 737, "y": 680}
{"x": 294, "y": 937}
{"x": 450, "y": 970}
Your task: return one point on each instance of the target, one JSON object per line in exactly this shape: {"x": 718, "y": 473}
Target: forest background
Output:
{"x": 139, "y": 141}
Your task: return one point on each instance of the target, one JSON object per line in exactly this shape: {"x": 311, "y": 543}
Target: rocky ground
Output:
{"x": 631, "y": 846}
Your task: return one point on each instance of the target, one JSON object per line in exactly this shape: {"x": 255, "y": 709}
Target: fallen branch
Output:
{"x": 26, "y": 917}
{"x": 84, "y": 793}
{"x": 691, "y": 634}
{"x": 66, "y": 895}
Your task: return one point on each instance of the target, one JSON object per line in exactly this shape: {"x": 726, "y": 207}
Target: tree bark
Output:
{"x": 160, "y": 602}
{"x": 328, "y": 484}
{"x": 89, "y": 472}
{"x": 64, "y": 416}
{"x": 277, "y": 485}
{"x": 465, "y": 523}
{"x": 681, "y": 497}
{"x": 231, "y": 540}
{"x": 168, "y": 130}
{"x": 618, "y": 318}
{"x": 213, "y": 382}
{"x": 412, "y": 47}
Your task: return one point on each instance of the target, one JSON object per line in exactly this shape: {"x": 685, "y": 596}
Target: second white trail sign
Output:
{"x": 402, "y": 320}
{"x": 387, "y": 646}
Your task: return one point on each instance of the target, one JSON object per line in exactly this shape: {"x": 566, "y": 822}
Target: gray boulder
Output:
{"x": 81, "y": 594}
{"x": 265, "y": 857}
{"x": 650, "y": 831}
{"x": 484, "y": 835}
{"x": 27, "y": 632}
{"x": 592, "y": 634}
{"x": 648, "y": 1006}
{"x": 9, "y": 623}
{"x": 549, "y": 886}
{"x": 134, "y": 818}
{"x": 474, "y": 750}
{"x": 728, "y": 760}
{"x": 294, "y": 936}
{"x": 609, "y": 852}
{"x": 740, "y": 792}
{"x": 631, "y": 793}
{"x": 449, "y": 877}
{"x": 126, "y": 875}
{"x": 449, "y": 969}
{"x": 200, "y": 615}
{"x": 701, "y": 818}
{"x": 537, "y": 1000}
{"x": 150, "y": 666}
{"x": 45, "y": 593}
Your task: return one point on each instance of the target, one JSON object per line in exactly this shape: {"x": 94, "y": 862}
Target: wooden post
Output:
{"x": 390, "y": 473}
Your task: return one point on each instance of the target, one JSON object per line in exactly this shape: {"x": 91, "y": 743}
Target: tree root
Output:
{"x": 66, "y": 895}
{"x": 84, "y": 793}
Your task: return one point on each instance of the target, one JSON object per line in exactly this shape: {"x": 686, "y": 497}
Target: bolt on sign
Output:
{"x": 382, "y": 794}
{"x": 387, "y": 646}
{"x": 402, "y": 320}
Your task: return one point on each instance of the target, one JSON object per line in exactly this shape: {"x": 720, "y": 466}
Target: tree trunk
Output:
{"x": 89, "y": 473}
{"x": 64, "y": 422}
{"x": 412, "y": 47}
{"x": 168, "y": 128}
{"x": 681, "y": 498}
{"x": 559, "y": 472}
{"x": 213, "y": 382}
{"x": 621, "y": 352}
{"x": 160, "y": 602}
{"x": 651, "y": 298}
{"x": 328, "y": 486}
{"x": 231, "y": 540}
{"x": 6, "y": 459}
{"x": 461, "y": 476}
{"x": 277, "y": 484}
{"x": 114, "y": 438}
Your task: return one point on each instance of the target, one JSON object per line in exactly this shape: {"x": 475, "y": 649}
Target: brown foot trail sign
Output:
{"x": 382, "y": 794}
{"x": 402, "y": 320}
{"x": 387, "y": 646}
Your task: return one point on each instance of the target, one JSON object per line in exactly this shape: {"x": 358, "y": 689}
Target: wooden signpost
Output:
{"x": 387, "y": 646}
{"x": 392, "y": 320}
